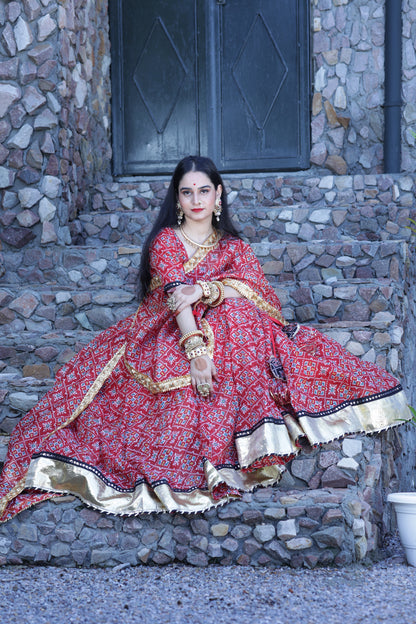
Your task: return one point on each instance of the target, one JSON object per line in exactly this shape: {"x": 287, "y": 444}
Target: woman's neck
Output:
{"x": 198, "y": 231}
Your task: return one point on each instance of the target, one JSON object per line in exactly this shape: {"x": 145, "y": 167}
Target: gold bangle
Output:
{"x": 221, "y": 295}
{"x": 196, "y": 353}
{"x": 205, "y": 288}
{"x": 185, "y": 337}
{"x": 192, "y": 343}
{"x": 213, "y": 294}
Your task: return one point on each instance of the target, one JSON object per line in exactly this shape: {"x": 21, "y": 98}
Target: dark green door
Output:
{"x": 224, "y": 78}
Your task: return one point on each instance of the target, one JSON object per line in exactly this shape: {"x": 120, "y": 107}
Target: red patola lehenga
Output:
{"x": 124, "y": 430}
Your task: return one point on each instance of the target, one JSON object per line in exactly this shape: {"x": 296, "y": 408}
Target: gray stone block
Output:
{"x": 331, "y": 537}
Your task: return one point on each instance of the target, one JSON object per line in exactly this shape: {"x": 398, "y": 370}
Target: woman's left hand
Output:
{"x": 186, "y": 296}
{"x": 203, "y": 373}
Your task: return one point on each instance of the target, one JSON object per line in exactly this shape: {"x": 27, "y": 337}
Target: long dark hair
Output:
{"x": 167, "y": 214}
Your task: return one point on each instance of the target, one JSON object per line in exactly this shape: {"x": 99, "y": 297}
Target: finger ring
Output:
{"x": 203, "y": 389}
{"x": 171, "y": 303}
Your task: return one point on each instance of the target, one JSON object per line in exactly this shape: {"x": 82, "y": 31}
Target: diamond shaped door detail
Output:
{"x": 229, "y": 79}
{"x": 159, "y": 75}
{"x": 260, "y": 89}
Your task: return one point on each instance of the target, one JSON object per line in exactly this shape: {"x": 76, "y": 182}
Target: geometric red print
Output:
{"x": 129, "y": 435}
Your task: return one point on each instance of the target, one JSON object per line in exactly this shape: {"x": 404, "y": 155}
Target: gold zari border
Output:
{"x": 173, "y": 383}
{"x": 192, "y": 262}
{"x": 155, "y": 282}
{"x": 258, "y": 301}
{"x": 57, "y": 476}
{"x": 370, "y": 417}
{"x": 201, "y": 254}
{"x": 270, "y": 438}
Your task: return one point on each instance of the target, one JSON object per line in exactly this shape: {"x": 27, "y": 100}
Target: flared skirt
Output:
{"x": 125, "y": 449}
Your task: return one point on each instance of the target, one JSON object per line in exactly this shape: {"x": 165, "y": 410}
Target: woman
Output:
{"x": 205, "y": 393}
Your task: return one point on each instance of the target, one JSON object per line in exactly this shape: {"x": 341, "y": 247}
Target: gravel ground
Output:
{"x": 179, "y": 594}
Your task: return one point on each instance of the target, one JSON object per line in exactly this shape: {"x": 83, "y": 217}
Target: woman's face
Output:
{"x": 197, "y": 196}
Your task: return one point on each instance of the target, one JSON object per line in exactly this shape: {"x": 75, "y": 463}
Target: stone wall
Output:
{"x": 85, "y": 91}
{"x": 54, "y": 115}
{"x": 336, "y": 248}
{"x": 347, "y": 109}
{"x": 270, "y": 527}
{"x": 55, "y": 108}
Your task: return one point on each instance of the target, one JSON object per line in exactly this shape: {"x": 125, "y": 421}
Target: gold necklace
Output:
{"x": 198, "y": 245}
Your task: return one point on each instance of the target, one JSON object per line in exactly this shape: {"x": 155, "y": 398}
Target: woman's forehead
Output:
{"x": 195, "y": 179}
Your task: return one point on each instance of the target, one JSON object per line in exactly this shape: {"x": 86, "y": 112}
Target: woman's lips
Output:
{"x": 197, "y": 209}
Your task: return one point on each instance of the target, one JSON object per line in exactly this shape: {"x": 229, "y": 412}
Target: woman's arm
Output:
{"x": 230, "y": 292}
{"x": 203, "y": 369}
{"x": 188, "y": 295}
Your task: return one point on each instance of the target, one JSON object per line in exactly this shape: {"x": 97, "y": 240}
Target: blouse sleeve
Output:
{"x": 166, "y": 260}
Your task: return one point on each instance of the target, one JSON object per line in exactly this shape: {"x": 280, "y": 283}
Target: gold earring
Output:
{"x": 218, "y": 209}
{"x": 179, "y": 213}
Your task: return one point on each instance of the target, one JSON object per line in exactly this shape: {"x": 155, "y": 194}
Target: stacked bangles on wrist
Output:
{"x": 193, "y": 343}
{"x": 213, "y": 293}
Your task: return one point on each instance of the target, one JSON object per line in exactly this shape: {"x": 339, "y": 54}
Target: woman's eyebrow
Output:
{"x": 188, "y": 188}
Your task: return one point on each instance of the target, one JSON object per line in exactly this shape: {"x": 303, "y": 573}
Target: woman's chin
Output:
{"x": 199, "y": 216}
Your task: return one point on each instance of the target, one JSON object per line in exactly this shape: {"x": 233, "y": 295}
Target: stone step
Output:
{"x": 269, "y": 528}
{"x": 44, "y": 308}
{"x": 268, "y": 190}
{"x": 297, "y": 205}
{"x": 28, "y": 364}
{"x": 115, "y": 266}
{"x": 289, "y": 223}
{"x": 29, "y": 347}
{"x": 326, "y": 510}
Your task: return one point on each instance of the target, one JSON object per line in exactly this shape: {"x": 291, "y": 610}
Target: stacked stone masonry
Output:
{"x": 334, "y": 242}
{"x": 55, "y": 112}
{"x": 348, "y": 277}
{"x": 335, "y": 524}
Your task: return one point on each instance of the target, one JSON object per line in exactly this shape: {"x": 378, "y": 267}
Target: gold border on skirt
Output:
{"x": 369, "y": 417}
{"x": 172, "y": 383}
{"x": 57, "y": 476}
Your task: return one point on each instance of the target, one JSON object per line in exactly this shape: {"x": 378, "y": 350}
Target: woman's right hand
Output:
{"x": 203, "y": 371}
{"x": 186, "y": 296}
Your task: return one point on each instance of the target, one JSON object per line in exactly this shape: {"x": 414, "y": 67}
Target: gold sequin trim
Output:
{"x": 54, "y": 475}
{"x": 172, "y": 383}
{"x": 155, "y": 282}
{"x": 209, "y": 335}
{"x": 258, "y": 301}
{"x": 369, "y": 417}
{"x": 200, "y": 254}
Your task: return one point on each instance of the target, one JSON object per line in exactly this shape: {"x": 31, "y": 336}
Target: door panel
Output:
{"x": 156, "y": 102}
{"x": 263, "y": 88}
{"x": 227, "y": 79}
